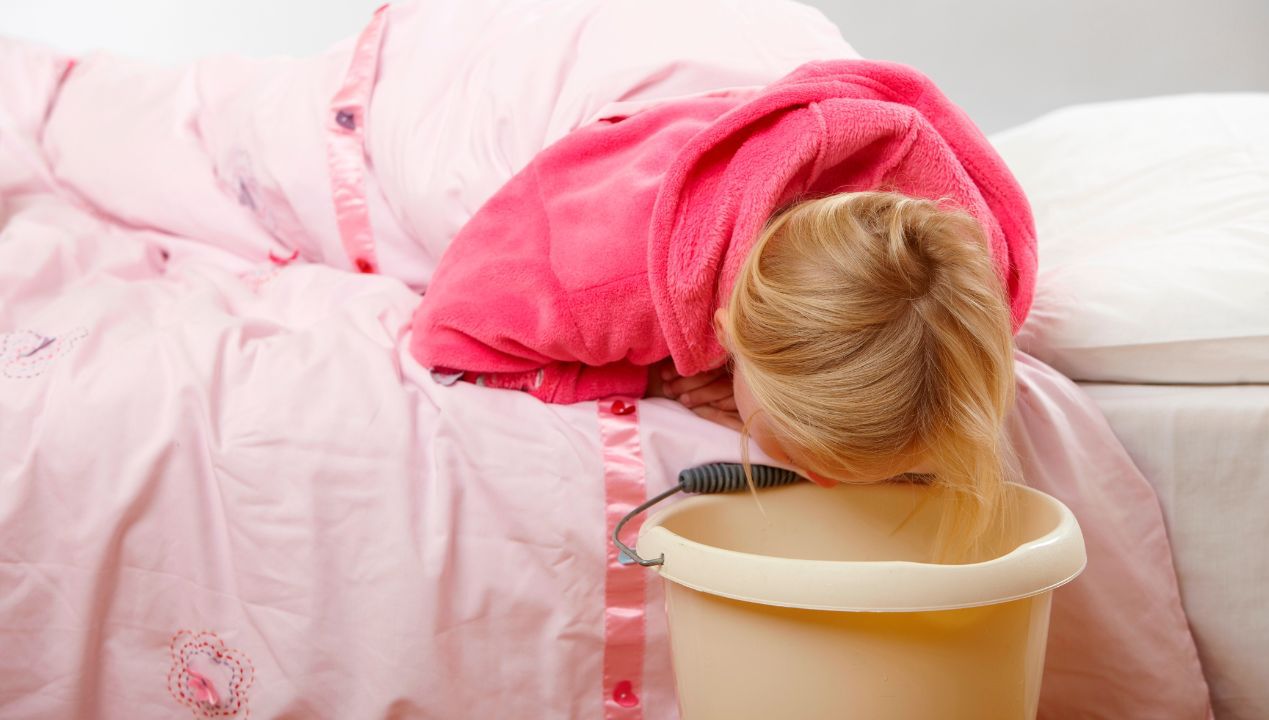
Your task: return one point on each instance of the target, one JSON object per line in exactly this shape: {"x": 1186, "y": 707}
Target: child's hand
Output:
{"x": 708, "y": 394}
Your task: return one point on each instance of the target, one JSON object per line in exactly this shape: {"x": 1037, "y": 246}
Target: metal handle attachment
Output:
{"x": 711, "y": 478}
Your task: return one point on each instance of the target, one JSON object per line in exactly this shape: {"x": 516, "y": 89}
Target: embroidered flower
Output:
{"x": 210, "y": 679}
{"x": 256, "y": 278}
{"x": 26, "y": 354}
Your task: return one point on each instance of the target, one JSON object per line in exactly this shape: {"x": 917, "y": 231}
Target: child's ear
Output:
{"x": 821, "y": 480}
{"x": 720, "y": 324}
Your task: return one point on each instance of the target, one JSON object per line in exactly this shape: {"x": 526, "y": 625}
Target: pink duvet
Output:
{"x": 227, "y": 489}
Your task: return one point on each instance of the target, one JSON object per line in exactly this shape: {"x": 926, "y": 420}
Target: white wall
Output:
{"x": 1004, "y": 61}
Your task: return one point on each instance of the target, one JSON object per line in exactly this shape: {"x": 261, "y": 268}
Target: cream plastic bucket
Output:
{"x": 826, "y": 611}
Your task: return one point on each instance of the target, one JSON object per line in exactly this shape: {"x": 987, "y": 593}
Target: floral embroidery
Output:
{"x": 25, "y": 354}
{"x": 210, "y": 679}
{"x": 256, "y": 279}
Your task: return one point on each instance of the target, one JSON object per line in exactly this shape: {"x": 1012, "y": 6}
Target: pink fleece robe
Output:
{"x": 611, "y": 250}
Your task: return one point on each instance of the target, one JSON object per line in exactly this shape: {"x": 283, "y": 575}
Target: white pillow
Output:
{"x": 1153, "y": 225}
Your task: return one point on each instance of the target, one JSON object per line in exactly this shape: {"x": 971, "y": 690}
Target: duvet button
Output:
{"x": 363, "y": 265}
{"x": 624, "y": 695}
{"x": 621, "y": 408}
{"x": 346, "y": 120}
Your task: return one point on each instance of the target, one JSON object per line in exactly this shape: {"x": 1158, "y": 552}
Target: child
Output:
{"x": 870, "y": 332}
{"x": 868, "y": 337}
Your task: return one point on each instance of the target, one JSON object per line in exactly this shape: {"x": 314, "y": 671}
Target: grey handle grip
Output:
{"x": 711, "y": 478}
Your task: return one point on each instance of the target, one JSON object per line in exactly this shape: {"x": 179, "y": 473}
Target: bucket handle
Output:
{"x": 710, "y": 478}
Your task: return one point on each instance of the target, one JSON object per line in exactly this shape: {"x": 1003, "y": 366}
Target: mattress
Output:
{"x": 1205, "y": 449}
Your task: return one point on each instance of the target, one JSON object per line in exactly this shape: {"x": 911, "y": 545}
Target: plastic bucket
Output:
{"x": 825, "y": 609}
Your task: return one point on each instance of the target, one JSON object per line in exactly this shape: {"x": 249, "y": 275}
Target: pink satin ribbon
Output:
{"x": 346, "y": 149}
{"x": 624, "y": 585}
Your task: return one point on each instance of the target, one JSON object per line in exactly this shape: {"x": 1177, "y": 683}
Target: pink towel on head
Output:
{"x": 614, "y": 246}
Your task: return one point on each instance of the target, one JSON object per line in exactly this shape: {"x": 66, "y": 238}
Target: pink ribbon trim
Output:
{"x": 346, "y": 147}
{"x": 624, "y": 586}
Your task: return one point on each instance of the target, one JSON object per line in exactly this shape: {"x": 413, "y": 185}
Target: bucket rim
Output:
{"x": 1035, "y": 567}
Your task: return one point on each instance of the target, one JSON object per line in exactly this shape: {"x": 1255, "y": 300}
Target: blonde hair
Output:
{"x": 873, "y": 332}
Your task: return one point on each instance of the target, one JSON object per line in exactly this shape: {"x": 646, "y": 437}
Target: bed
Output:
{"x": 246, "y": 488}
{"x": 1204, "y": 449}
{"x": 1153, "y": 219}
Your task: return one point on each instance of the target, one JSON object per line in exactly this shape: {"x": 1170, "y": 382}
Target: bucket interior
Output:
{"x": 894, "y": 521}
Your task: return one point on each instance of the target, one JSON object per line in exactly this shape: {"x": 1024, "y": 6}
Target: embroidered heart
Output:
{"x": 210, "y": 679}
{"x": 25, "y": 354}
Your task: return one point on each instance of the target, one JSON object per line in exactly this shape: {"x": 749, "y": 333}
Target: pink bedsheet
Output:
{"x": 224, "y": 479}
